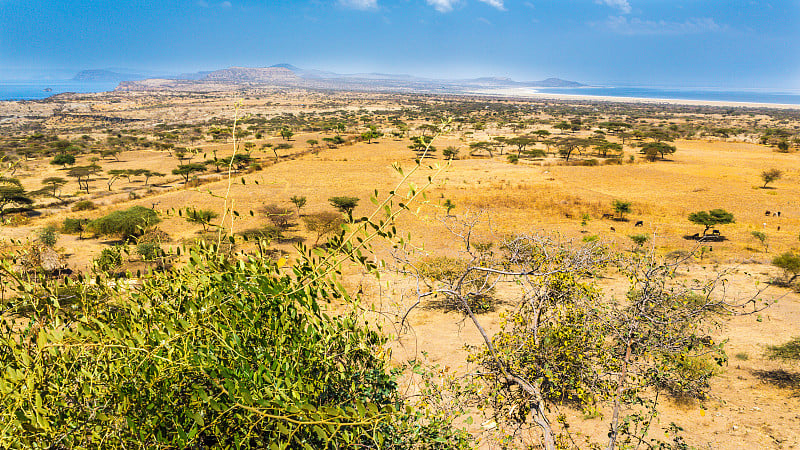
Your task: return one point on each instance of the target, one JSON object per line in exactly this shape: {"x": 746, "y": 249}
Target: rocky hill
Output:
{"x": 253, "y": 75}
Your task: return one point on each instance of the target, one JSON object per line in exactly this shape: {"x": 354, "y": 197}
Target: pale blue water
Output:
{"x": 750, "y": 96}
{"x": 35, "y": 90}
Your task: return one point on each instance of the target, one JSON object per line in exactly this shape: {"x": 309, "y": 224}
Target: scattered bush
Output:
{"x": 48, "y": 236}
{"x": 127, "y": 223}
{"x": 149, "y": 251}
{"x": 109, "y": 260}
{"x": 789, "y": 262}
{"x": 84, "y": 205}
{"x": 73, "y": 226}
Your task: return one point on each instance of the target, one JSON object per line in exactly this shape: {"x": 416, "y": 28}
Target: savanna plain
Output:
{"x": 495, "y": 204}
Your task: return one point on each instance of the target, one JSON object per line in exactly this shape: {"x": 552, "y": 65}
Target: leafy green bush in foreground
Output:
{"x": 217, "y": 354}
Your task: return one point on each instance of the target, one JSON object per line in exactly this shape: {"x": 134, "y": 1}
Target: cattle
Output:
{"x": 775, "y": 214}
{"x": 608, "y": 216}
{"x": 768, "y": 213}
{"x": 568, "y": 215}
{"x": 715, "y": 232}
{"x": 612, "y": 229}
{"x": 779, "y": 228}
{"x": 779, "y": 213}
{"x": 639, "y": 223}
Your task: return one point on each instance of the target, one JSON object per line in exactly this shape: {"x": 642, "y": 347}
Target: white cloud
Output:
{"x": 226, "y": 4}
{"x": 496, "y": 3}
{"x": 359, "y": 4}
{"x": 442, "y": 6}
{"x": 622, "y": 5}
{"x": 623, "y": 25}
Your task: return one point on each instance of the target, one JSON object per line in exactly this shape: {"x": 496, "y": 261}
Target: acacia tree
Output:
{"x": 54, "y": 183}
{"x": 83, "y": 175}
{"x": 12, "y": 193}
{"x": 186, "y": 170}
{"x": 651, "y": 150}
{"x": 299, "y": 201}
{"x": 322, "y": 223}
{"x": 770, "y": 175}
{"x": 711, "y": 218}
{"x": 344, "y": 204}
{"x": 621, "y": 208}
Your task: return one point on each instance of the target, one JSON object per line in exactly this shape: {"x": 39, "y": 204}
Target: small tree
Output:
{"x": 287, "y": 134}
{"x": 54, "y": 183}
{"x": 280, "y": 216}
{"x": 299, "y": 202}
{"x": 83, "y": 175}
{"x": 449, "y": 205}
{"x": 12, "y": 193}
{"x": 63, "y": 160}
{"x": 147, "y": 174}
{"x": 344, "y": 204}
{"x": 322, "y": 223}
{"x": 789, "y": 262}
{"x": 639, "y": 239}
{"x": 770, "y": 175}
{"x": 621, "y": 208}
{"x": 200, "y": 216}
{"x": 652, "y": 149}
{"x": 711, "y": 218}
{"x": 186, "y": 170}
{"x": 450, "y": 152}
{"x": 762, "y": 237}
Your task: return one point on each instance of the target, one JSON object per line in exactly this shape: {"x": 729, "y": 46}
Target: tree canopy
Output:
{"x": 711, "y": 218}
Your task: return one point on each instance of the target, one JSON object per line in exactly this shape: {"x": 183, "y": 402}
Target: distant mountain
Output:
{"x": 106, "y": 75}
{"x": 557, "y": 83}
{"x": 285, "y": 74}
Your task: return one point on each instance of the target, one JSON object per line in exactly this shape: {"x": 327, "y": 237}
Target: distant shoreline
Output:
{"x": 37, "y": 91}
{"x": 530, "y": 93}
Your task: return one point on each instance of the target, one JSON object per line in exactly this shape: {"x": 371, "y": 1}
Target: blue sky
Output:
{"x": 685, "y": 43}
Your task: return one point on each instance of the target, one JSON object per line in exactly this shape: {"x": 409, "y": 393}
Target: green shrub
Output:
{"x": 84, "y": 205}
{"x": 73, "y": 226}
{"x": 127, "y": 223}
{"x": 109, "y": 259}
{"x": 210, "y": 355}
{"x": 48, "y": 236}
{"x": 148, "y": 250}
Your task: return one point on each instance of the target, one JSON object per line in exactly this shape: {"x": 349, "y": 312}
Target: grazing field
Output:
{"x": 316, "y": 146}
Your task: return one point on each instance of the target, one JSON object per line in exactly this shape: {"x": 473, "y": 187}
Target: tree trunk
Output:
{"x": 612, "y": 435}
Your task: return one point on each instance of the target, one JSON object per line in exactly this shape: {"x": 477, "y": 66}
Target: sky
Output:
{"x": 677, "y": 43}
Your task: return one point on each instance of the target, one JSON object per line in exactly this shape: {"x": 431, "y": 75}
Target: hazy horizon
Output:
{"x": 745, "y": 45}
